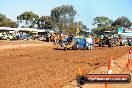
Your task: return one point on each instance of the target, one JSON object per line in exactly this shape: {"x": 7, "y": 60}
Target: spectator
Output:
{"x": 90, "y": 42}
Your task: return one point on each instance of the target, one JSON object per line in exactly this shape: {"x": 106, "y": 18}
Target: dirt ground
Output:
{"x": 43, "y": 67}
{"x": 119, "y": 67}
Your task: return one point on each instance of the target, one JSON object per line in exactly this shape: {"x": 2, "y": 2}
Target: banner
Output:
{"x": 125, "y": 31}
{"x": 104, "y": 78}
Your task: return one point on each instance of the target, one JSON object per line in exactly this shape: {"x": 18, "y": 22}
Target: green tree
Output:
{"x": 122, "y": 22}
{"x": 6, "y": 22}
{"x": 102, "y": 23}
{"x": 63, "y": 17}
{"x": 71, "y": 29}
{"x": 45, "y": 22}
{"x": 29, "y": 19}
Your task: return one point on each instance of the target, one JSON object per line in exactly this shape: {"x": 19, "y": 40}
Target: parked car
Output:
{"x": 1, "y": 36}
{"x": 42, "y": 38}
{"x": 7, "y": 37}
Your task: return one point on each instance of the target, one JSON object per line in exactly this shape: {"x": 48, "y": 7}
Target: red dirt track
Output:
{"x": 44, "y": 67}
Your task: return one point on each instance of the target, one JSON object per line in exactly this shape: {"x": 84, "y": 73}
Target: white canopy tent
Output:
{"x": 6, "y": 29}
{"x": 22, "y": 29}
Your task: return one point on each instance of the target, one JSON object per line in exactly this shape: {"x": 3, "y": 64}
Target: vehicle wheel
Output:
{"x": 8, "y": 38}
{"x": 76, "y": 46}
{"x": 65, "y": 48}
{"x": 101, "y": 44}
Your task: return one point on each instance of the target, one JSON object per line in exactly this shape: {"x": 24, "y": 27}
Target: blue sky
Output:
{"x": 87, "y": 9}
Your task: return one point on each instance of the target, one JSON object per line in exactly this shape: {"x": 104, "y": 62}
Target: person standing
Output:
{"x": 90, "y": 42}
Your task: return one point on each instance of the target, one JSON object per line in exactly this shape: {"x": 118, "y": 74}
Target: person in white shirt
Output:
{"x": 89, "y": 42}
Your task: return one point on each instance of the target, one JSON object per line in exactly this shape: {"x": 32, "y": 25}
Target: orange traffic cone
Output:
{"x": 106, "y": 86}
{"x": 81, "y": 72}
{"x": 110, "y": 64}
{"x": 129, "y": 59}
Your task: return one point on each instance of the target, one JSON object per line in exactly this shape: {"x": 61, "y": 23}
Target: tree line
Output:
{"x": 104, "y": 23}
{"x": 62, "y": 19}
{"x": 6, "y": 22}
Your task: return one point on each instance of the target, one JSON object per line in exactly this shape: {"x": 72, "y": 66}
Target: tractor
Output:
{"x": 105, "y": 40}
{"x": 73, "y": 43}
